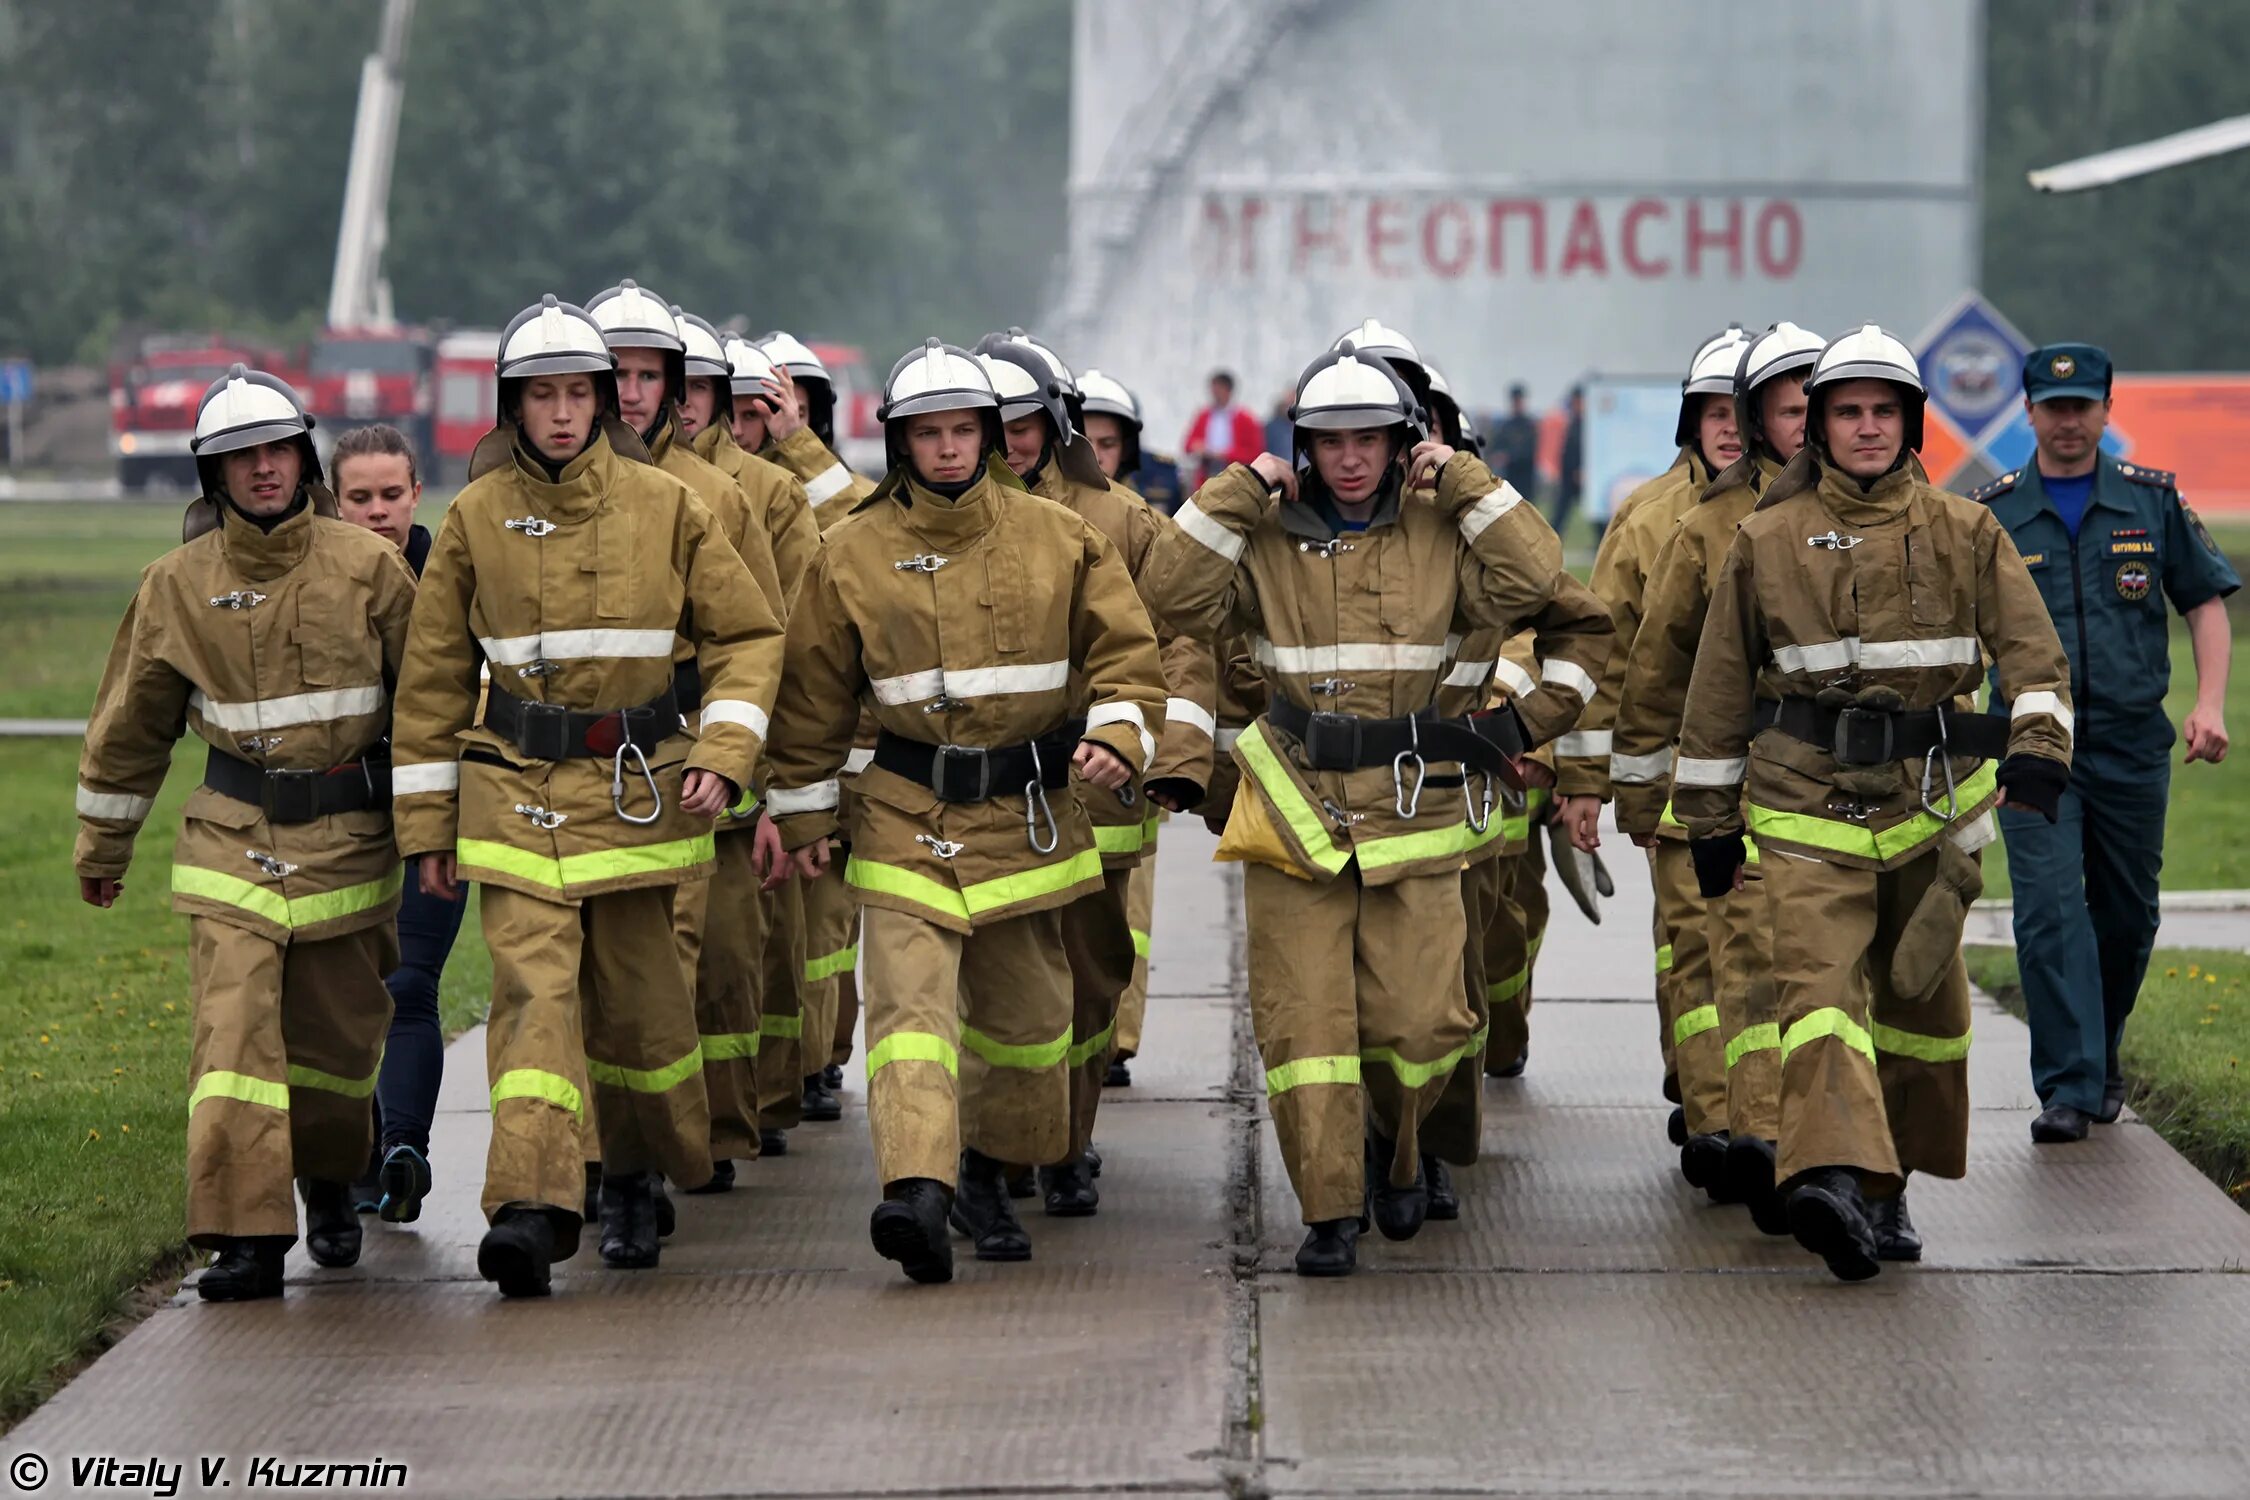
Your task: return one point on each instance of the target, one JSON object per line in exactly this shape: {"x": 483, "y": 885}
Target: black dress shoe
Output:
{"x": 1397, "y": 1211}
{"x": 406, "y": 1182}
{"x": 332, "y": 1232}
{"x": 773, "y": 1142}
{"x": 1703, "y": 1160}
{"x": 1750, "y": 1181}
{"x": 819, "y": 1104}
{"x": 517, "y": 1253}
{"x": 1829, "y": 1218}
{"x": 245, "y": 1270}
{"x": 1675, "y": 1126}
{"x": 833, "y": 1076}
{"x": 630, "y": 1240}
{"x": 1445, "y": 1204}
{"x": 1896, "y": 1238}
{"x": 1069, "y": 1190}
{"x": 1119, "y": 1075}
{"x": 908, "y": 1226}
{"x": 981, "y": 1209}
{"x": 2059, "y": 1124}
{"x": 722, "y": 1179}
{"x": 1331, "y": 1248}
{"x": 2113, "y": 1103}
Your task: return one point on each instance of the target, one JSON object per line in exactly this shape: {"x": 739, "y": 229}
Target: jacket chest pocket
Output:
{"x": 1386, "y": 568}
{"x": 615, "y": 565}
{"x": 335, "y": 641}
{"x": 1005, "y": 599}
{"x": 1933, "y": 597}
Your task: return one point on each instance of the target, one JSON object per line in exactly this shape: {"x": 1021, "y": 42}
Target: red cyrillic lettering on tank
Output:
{"x": 1699, "y": 240}
{"x": 1447, "y": 220}
{"x": 1383, "y": 233}
{"x": 1629, "y": 237}
{"x": 1582, "y": 247}
{"x": 1227, "y": 236}
{"x": 1326, "y": 236}
{"x": 1780, "y": 238}
{"x": 1496, "y": 215}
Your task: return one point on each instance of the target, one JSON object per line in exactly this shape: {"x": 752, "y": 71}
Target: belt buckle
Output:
{"x": 1845, "y": 744}
{"x": 543, "y": 731}
{"x": 290, "y": 796}
{"x": 953, "y": 759}
{"x": 1332, "y": 741}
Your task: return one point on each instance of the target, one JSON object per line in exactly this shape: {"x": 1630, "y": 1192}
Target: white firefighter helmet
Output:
{"x": 704, "y": 354}
{"x": 1868, "y": 353}
{"x": 814, "y": 384}
{"x": 1452, "y": 424}
{"x": 553, "y": 337}
{"x": 1394, "y": 349}
{"x": 1028, "y": 379}
{"x": 936, "y": 377}
{"x": 632, "y": 317}
{"x": 1782, "y": 349}
{"x": 1047, "y": 355}
{"x": 1710, "y": 374}
{"x": 1345, "y": 390}
{"x": 747, "y": 365}
{"x": 242, "y": 409}
{"x": 1733, "y": 333}
{"x": 1102, "y": 395}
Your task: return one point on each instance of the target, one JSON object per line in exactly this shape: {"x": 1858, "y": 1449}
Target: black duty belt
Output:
{"x": 974, "y": 773}
{"x": 1874, "y": 737}
{"x": 548, "y": 731}
{"x": 301, "y": 796}
{"x": 1346, "y": 742}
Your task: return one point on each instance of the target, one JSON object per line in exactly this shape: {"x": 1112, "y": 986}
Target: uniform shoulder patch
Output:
{"x": 1998, "y": 487}
{"x": 2155, "y": 479}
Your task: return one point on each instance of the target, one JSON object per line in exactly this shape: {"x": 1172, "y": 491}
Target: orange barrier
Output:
{"x": 2198, "y": 426}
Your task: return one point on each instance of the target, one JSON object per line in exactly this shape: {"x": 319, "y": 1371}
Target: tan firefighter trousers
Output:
{"x": 1511, "y": 952}
{"x": 782, "y": 1019}
{"x": 1741, "y": 944}
{"x": 1455, "y": 1125}
{"x": 1140, "y": 911}
{"x": 1684, "y": 999}
{"x": 729, "y": 977}
{"x": 831, "y": 954}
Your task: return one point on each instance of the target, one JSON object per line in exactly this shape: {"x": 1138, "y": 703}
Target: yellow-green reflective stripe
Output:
{"x": 1827, "y": 1021}
{"x": 1664, "y": 959}
{"x": 912, "y": 1046}
{"x": 1453, "y": 840}
{"x": 1867, "y": 843}
{"x": 1763, "y": 1037}
{"x": 790, "y": 1027}
{"x": 746, "y": 804}
{"x": 1304, "y": 1070}
{"x": 587, "y": 868}
{"x": 1515, "y": 830}
{"x": 1665, "y": 819}
{"x": 1536, "y": 797}
{"x": 1501, "y": 990}
{"x": 301, "y": 1077}
{"x": 1693, "y": 1023}
{"x": 1155, "y": 821}
{"x": 1532, "y": 952}
{"x": 985, "y": 895}
{"x": 729, "y": 1046}
{"x": 1929, "y": 1049}
{"x": 1119, "y": 838}
{"x": 1140, "y": 943}
{"x": 647, "y": 1080}
{"x": 282, "y": 911}
{"x": 829, "y": 965}
{"x": 537, "y": 1083}
{"x": 220, "y": 1084}
{"x": 1749, "y": 850}
{"x": 1304, "y": 822}
{"x": 1082, "y": 1053}
{"x": 1413, "y": 1074}
{"x": 1032, "y": 1056}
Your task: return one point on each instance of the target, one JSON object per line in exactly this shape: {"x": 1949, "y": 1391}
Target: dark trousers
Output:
{"x": 2085, "y": 918}
{"x": 406, "y": 1091}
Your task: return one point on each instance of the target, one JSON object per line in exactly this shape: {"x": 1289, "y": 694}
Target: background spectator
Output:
{"x": 1515, "y": 446}
{"x": 1222, "y": 433}
{"x": 1570, "y": 483}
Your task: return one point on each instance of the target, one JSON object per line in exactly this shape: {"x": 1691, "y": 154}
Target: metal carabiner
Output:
{"x": 1409, "y": 804}
{"x": 1940, "y": 754}
{"x": 1036, "y": 806}
{"x": 541, "y": 818}
{"x": 1479, "y": 820}
{"x": 942, "y": 848}
{"x": 617, "y": 785}
{"x": 272, "y": 864}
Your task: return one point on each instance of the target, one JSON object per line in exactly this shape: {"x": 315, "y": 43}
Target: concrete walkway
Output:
{"x": 1589, "y": 1328}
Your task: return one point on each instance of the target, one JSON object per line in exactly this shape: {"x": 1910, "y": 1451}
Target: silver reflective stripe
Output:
{"x": 972, "y": 682}
{"x": 1209, "y": 532}
{"x": 1880, "y": 656}
{"x": 575, "y": 645}
{"x": 1488, "y": 510}
{"x": 858, "y": 761}
{"x": 819, "y": 797}
{"x": 735, "y": 711}
{"x": 912, "y": 688}
{"x": 298, "y": 708}
{"x": 1583, "y": 744}
{"x": 1123, "y": 713}
{"x": 1640, "y": 770}
{"x": 829, "y": 481}
{"x": 1352, "y": 656}
{"x": 426, "y": 776}
{"x": 1514, "y": 678}
{"x": 1191, "y": 713}
{"x": 2045, "y": 703}
{"x": 118, "y": 805}
{"x": 1225, "y": 738}
{"x": 1467, "y": 674}
{"x": 1568, "y": 674}
{"x": 1695, "y": 770}
{"x": 1976, "y": 833}
{"x": 1823, "y": 656}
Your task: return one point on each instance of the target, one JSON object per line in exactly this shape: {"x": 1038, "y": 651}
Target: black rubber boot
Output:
{"x": 1896, "y": 1238}
{"x": 1829, "y": 1218}
{"x": 833, "y": 1076}
{"x": 722, "y": 1179}
{"x": 1119, "y": 1076}
{"x": 1510, "y": 1067}
{"x": 1069, "y": 1190}
{"x": 1703, "y": 1160}
{"x": 819, "y": 1104}
{"x": 772, "y": 1142}
{"x": 1675, "y": 1126}
{"x": 1750, "y": 1181}
{"x": 1331, "y": 1248}
{"x": 517, "y": 1254}
{"x": 331, "y": 1223}
{"x": 1445, "y": 1204}
{"x": 593, "y": 1208}
{"x": 1397, "y": 1211}
{"x": 245, "y": 1270}
{"x": 406, "y": 1182}
{"x": 981, "y": 1210}
{"x": 630, "y": 1240}
{"x": 367, "y": 1188}
{"x": 908, "y": 1226}
{"x": 1094, "y": 1159}
{"x": 1024, "y": 1184}
{"x": 667, "y": 1217}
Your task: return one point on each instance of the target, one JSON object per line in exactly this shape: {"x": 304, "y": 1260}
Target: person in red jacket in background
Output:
{"x": 1222, "y": 433}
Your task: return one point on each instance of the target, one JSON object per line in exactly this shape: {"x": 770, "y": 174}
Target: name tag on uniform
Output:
{"x": 2034, "y": 559}
{"x": 2119, "y": 548}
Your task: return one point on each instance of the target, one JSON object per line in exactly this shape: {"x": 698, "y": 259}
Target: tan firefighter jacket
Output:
{"x": 1369, "y": 624}
{"x": 1125, "y": 827}
{"x": 729, "y": 505}
{"x": 834, "y": 490}
{"x": 988, "y": 621}
{"x": 1642, "y": 522}
{"x": 1901, "y": 589}
{"x": 777, "y": 502}
{"x": 278, "y": 649}
{"x": 1241, "y": 698}
{"x": 576, "y": 592}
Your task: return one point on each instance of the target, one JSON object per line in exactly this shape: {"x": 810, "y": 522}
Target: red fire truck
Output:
{"x": 361, "y": 376}
{"x": 154, "y": 391}
{"x": 465, "y": 402}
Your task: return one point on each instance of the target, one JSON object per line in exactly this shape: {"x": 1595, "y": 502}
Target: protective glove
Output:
{"x": 1715, "y": 861}
{"x": 2034, "y": 781}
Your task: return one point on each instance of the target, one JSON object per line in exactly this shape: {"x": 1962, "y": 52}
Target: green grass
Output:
{"x": 2186, "y": 1054}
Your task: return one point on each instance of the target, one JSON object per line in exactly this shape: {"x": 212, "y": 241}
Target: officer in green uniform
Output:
{"x": 2107, "y": 543}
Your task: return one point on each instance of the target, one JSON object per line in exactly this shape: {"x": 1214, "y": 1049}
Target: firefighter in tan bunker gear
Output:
{"x": 272, "y": 636}
{"x": 1694, "y": 1065}
{"x": 999, "y": 643}
{"x": 1769, "y": 401}
{"x": 581, "y": 800}
{"x": 1846, "y": 637}
{"x": 1354, "y": 591}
